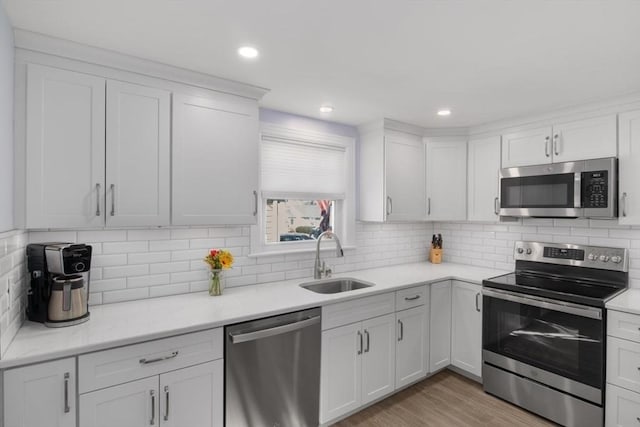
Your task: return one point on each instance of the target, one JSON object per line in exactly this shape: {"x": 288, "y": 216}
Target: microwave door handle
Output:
{"x": 577, "y": 190}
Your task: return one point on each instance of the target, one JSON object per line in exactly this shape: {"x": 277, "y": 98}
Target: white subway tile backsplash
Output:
{"x": 125, "y": 295}
{"x": 52, "y": 236}
{"x": 13, "y": 284}
{"x": 207, "y": 244}
{"x": 149, "y": 257}
{"x": 169, "y": 267}
{"x": 168, "y": 245}
{"x": 154, "y": 234}
{"x": 125, "y": 271}
{"x": 175, "y": 289}
{"x": 108, "y": 260}
{"x": 145, "y": 281}
{"x": 124, "y": 247}
{"x": 107, "y": 285}
{"x": 102, "y": 236}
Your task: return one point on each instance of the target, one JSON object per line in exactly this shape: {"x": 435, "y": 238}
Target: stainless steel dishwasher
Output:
{"x": 272, "y": 371}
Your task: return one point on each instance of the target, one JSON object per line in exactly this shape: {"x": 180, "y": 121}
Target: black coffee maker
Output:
{"x": 59, "y": 283}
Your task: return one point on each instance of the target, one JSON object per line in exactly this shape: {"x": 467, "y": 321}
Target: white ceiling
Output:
{"x": 401, "y": 59}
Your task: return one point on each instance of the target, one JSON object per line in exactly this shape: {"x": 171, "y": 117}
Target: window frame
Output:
{"x": 344, "y": 210}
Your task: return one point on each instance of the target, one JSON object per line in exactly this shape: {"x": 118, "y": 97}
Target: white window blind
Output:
{"x": 305, "y": 169}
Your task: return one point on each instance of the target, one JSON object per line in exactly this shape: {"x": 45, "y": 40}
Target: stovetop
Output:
{"x": 574, "y": 290}
{"x": 589, "y": 275}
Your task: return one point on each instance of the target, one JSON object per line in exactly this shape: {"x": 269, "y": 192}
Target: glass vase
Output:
{"x": 215, "y": 283}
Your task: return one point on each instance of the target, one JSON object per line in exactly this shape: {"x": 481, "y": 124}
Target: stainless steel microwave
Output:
{"x": 583, "y": 189}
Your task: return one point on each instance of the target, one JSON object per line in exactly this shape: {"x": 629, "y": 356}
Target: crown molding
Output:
{"x": 54, "y": 46}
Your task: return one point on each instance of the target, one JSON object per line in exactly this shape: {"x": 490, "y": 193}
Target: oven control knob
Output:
{"x": 592, "y": 257}
{"x": 528, "y": 251}
{"x": 604, "y": 258}
{"x": 616, "y": 259}
{"x": 520, "y": 250}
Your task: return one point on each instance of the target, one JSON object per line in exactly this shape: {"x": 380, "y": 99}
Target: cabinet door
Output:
{"x": 466, "y": 327}
{"x": 411, "y": 358}
{"x": 193, "y": 396}
{"x": 378, "y": 357}
{"x": 622, "y": 407}
{"x": 529, "y": 147}
{"x": 446, "y": 180}
{"x": 138, "y": 150}
{"x": 483, "y": 179}
{"x": 341, "y": 371}
{"x": 585, "y": 139}
{"x": 133, "y": 404}
{"x": 64, "y": 148}
{"x": 41, "y": 395}
{"x": 404, "y": 177}
{"x": 629, "y": 168}
{"x": 440, "y": 326}
{"x": 215, "y": 160}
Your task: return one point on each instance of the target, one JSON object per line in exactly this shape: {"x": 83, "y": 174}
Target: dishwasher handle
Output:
{"x": 237, "y": 338}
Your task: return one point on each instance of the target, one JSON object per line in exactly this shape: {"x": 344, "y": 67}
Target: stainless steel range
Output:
{"x": 544, "y": 329}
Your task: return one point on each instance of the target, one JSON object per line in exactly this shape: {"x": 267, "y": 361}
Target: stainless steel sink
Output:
{"x": 334, "y": 286}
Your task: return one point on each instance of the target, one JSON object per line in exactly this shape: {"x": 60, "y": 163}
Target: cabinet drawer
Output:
{"x": 120, "y": 365}
{"x": 623, "y": 325}
{"x": 357, "y": 310}
{"x": 622, "y": 408}
{"x": 411, "y": 297}
{"x": 623, "y": 363}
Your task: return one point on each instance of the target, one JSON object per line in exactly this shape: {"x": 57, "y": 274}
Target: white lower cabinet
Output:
{"x": 41, "y": 395}
{"x": 440, "y": 326}
{"x": 411, "y": 347}
{"x": 358, "y": 365}
{"x": 622, "y": 407}
{"x": 466, "y": 327}
{"x": 133, "y": 404}
{"x": 186, "y": 397}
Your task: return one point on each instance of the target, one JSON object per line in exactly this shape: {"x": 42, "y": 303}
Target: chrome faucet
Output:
{"x": 320, "y": 270}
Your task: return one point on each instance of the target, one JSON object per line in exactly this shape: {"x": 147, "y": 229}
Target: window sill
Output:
{"x": 298, "y": 251}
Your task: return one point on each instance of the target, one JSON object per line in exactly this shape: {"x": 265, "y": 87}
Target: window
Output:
{"x": 307, "y": 187}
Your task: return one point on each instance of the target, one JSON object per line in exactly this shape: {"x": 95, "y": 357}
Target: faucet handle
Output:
{"x": 327, "y": 272}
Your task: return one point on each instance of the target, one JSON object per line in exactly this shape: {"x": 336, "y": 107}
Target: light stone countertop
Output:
{"x": 628, "y": 301}
{"x": 113, "y": 325}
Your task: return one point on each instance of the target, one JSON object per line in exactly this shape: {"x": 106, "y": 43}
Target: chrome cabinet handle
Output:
{"x": 366, "y": 349}
{"x": 152, "y": 421}
{"x": 360, "y": 345}
{"x": 98, "y": 199}
{"x": 255, "y": 203}
{"x": 496, "y": 206}
{"x": 412, "y": 298}
{"x": 624, "y": 204}
{"x": 113, "y": 199}
{"x": 555, "y": 144}
{"x": 158, "y": 359}
{"x": 477, "y": 304}
{"x": 401, "y": 334}
{"x": 428, "y": 205}
{"x": 166, "y": 406}
{"x": 546, "y": 146}
{"x": 389, "y": 205}
{"x": 67, "y": 408}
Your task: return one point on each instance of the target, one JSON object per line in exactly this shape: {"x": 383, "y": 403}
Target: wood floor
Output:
{"x": 446, "y": 399}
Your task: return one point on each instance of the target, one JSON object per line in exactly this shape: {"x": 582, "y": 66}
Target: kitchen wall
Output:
{"x": 491, "y": 245}
{"x": 146, "y": 263}
{"x": 6, "y": 122}
{"x": 13, "y": 287}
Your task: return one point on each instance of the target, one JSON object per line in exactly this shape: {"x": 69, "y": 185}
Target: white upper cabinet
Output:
{"x": 138, "y": 155}
{"x": 215, "y": 160}
{"x": 404, "y": 172}
{"x": 590, "y": 138}
{"x": 446, "y": 179}
{"x": 392, "y": 174}
{"x": 585, "y": 139}
{"x": 483, "y": 184}
{"x": 65, "y": 149}
{"x": 629, "y": 168}
{"x": 528, "y": 147}
{"x": 77, "y": 177}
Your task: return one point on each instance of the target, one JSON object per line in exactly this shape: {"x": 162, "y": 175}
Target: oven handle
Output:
{"x": 564, "y": 307}
{"x": 577, "y": 190}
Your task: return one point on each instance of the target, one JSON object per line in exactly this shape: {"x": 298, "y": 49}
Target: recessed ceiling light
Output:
{"x": 326, "y": 109}
{"x": 444, "y": 112}
{"x": 248, "y": 52}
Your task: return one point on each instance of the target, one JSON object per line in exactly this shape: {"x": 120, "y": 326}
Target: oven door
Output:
{"x": 542, "y": 191}
{"x": 553, "y": 342}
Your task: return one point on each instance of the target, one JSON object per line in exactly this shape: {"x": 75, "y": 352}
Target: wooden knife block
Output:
{"x": 435, "y": 255}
